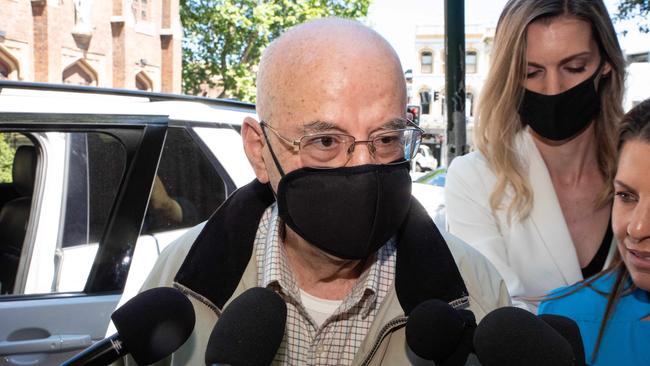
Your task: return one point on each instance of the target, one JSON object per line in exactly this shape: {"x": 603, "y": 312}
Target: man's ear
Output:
{"x": 251, "y": 133}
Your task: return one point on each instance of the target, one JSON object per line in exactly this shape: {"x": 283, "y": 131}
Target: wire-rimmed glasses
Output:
{"x": 334, "y": 150}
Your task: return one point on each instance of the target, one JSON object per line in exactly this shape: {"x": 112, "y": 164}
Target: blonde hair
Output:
{"x": 498, "y": 122}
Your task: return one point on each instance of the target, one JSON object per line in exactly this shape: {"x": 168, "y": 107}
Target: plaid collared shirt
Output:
{"x": 337, "y": 340}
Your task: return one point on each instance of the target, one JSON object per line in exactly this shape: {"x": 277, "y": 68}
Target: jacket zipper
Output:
{"x": 385, "y": 330}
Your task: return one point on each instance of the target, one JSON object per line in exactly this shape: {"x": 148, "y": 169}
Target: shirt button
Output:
{"x": 320, "y": 350}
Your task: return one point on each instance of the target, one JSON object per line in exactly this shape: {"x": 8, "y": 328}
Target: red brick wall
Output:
{"x": 114, "y": 50}
{"x": 41, "y": 42}
{"x": 118, "y": 54}
{"x": 167, "y": 48}
{"x": 16, "y": 19}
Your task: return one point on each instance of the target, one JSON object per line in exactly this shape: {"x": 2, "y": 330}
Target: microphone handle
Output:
{"x": 102, "y": 353}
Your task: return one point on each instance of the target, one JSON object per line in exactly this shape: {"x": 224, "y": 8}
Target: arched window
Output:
{"x": 80, "y": 73}
{"x": 143, "y": 82}
{"x": 470, "y": 62}
{"x": 426, "y": 62}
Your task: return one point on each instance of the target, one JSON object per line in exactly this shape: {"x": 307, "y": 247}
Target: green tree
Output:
{"x": 6, "y": 159}
{"x": 224, "y": 39}
{"x": 635, "y": 9}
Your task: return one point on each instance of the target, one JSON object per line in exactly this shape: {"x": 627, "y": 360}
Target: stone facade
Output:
{"x": 133, "y": 44}
{"x": 428, "y": 78}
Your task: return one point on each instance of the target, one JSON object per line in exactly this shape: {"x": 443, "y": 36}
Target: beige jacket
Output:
{"x": 385, "y": 343}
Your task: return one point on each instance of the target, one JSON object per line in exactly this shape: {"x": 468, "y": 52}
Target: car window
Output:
{"x": 94, "y": 166}
{"x": 49, "y": 236}
{"x": 9, "y": 142}
{"x": 187, "y": 187}
{"x": 16, "y": 187}
{"x": 225, "y": 144}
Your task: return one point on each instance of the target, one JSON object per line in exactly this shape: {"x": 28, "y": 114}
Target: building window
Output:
{"x": 469, "y": 105}
{"x": 425, "y": 100}
{"x": 80, "y": 73}
{"x": 426, "y": 62}
{"x": 141, "y": 10}
{"x": 143, "y": 82}
{"x": 470, "y": 62}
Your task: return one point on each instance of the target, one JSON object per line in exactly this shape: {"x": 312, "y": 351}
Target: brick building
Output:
{"x": 133, "y": 44}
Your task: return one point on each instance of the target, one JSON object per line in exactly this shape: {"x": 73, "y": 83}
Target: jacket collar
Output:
{"x": 214, "y": 266}
{"x": 547, "y": 213}
{"x": 220, "y": 254}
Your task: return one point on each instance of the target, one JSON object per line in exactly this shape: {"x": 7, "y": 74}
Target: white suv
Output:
{"x": 100, "y": 182}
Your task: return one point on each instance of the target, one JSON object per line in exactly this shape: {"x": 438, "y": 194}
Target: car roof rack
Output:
{"x": 152, "y": 96}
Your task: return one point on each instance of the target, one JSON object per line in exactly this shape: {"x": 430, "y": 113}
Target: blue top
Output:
{"x": 627, "y": 338}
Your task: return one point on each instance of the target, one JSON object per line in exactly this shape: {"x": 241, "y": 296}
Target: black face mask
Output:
{"x": 347, "y": 212}
{"x": 561, "y": 116}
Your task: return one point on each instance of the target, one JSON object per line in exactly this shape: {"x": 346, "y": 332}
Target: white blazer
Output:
{"x": 534, "y": 255}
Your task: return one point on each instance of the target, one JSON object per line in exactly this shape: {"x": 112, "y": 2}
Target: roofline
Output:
{"x": 153, "y": 96}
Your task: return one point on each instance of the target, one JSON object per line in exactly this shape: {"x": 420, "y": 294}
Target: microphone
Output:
{"x": 570, "y": 331}
{"x": 436, "y": 331}
{"x": 150, "y": 326}
{"x": 249, "y": 330}
{"x": 512, "y": 336}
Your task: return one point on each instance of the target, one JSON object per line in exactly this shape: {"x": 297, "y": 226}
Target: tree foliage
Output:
{"x": 635, "y": 9}
{"x": 224, "y": 39}
{"x": 6, "y": 159}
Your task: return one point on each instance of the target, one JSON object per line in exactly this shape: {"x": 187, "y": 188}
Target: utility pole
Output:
{"x": 455, "y": 78}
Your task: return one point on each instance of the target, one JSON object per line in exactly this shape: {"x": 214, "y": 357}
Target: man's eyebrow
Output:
{"x": 319, "y": 126}
{"x": 323, "y": 126}
{"x": 395, "y": 124}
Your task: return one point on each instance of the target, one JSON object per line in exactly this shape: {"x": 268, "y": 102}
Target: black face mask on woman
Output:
{"x": 561, "y": 116}
{"x": 348, "y": 212}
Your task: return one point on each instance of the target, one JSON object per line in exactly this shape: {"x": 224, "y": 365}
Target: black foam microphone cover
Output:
{"x": 434, "y": 329}
{"x": 570, "y": 331}
{"x": 249, "y": 330}
{"x": 154, "y": 323}
{"x": 466, "y": 344}
{"x": 512, "y": 336}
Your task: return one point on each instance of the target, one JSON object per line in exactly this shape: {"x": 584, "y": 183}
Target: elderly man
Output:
{"x": 330, "y": 223}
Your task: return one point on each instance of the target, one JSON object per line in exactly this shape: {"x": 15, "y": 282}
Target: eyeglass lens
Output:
{"x": 335, "y": 150}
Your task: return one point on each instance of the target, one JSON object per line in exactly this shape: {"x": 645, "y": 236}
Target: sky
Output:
{"x": 396, "y": 21}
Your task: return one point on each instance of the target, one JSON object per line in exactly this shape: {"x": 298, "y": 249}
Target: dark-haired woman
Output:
{"x": 612, "y": 309}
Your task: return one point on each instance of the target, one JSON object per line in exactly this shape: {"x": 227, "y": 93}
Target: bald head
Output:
{"x": 325, "y": 76}
{"x": 315, "y": 61}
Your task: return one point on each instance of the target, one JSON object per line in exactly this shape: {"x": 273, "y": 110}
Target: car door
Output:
{"x": 92, "y": 177}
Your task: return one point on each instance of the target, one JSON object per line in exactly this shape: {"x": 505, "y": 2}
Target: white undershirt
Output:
{"x": 319, "y": 309}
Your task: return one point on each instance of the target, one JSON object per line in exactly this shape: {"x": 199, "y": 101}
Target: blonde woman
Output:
{"x": 536, "y": 197}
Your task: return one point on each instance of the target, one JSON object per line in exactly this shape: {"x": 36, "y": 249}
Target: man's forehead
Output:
{"x": 317, "y": 61}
